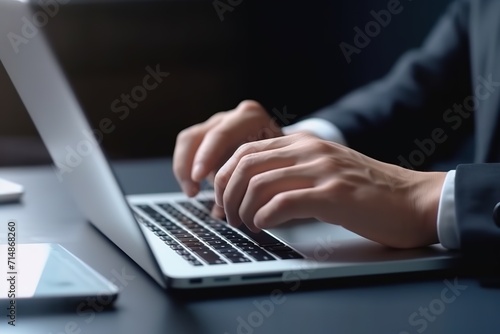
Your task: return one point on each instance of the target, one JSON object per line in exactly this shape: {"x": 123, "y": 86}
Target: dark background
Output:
{"x": 282, "y": 53}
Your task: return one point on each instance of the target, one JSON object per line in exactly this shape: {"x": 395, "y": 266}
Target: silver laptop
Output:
{"x": 172, "y": 237}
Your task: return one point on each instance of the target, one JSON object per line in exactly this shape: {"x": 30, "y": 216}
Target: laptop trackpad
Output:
{"x": 327, "y": 242}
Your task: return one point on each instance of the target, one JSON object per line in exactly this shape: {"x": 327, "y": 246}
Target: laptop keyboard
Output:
{"x": 214, "y": 242}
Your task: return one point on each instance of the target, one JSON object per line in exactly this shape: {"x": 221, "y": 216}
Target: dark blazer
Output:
{"x": 432, "y": 99}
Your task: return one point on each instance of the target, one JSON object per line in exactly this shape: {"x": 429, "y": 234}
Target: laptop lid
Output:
{"x": 56, "y": 113}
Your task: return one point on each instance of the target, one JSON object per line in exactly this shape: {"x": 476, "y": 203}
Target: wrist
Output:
{"x": 426, "y": 195}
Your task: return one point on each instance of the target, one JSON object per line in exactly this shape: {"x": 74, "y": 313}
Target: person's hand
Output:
{"x": 269, "y": 182}
{"x": 201, "y": 149}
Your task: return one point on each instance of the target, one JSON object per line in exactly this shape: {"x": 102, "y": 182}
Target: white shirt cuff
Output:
{"x": 447, "y": 226}
{"x": 319, "y": 127}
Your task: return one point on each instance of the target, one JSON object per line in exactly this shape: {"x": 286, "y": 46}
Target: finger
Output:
{"x": 263, "y": 187}
{"x": 215, "y": 148}
{"x": 186, "y": 146}
{"x": 210, "y": 178}
{"x": 285, "y": 206}
{"x": 249, "y": 166}
{"x": 218, "y": 212}
{"x": 225, "y": 172}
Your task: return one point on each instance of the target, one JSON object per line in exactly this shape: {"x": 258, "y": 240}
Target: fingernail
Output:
{"x": 189, "y": 188}
{"x": 197, "y": 173}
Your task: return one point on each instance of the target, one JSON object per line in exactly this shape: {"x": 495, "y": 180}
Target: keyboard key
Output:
{"x": 160, "y": 233}
{"x": 249, "y": 247}
{"x": 205, "y": 235}
{"x": 208, "y": 239}
{"x": 209, "y": 256}
{"x": 278, "y": 248}
{"x": 193, "y": 243}
{"x": 173, "y": 228}
{"x": 239, "y": 259}
{"x": 180, "y": 234}
{"x": 192, "y": 208}
{"x": 194, "y": 261}
{"x": 260, "y": 255}
{"x": 182, "y": 252}
{"x": 222, "y": 246}
{"x": 190, "y": 241}
{"x": 227, "y": 231}
{"x": 229, "y": 250}
{"x": 207, "y": 203}
{"x": 261, "y": 238}
{"x": 196, "y": 248}
{"x": 288, "y": 255}
{"x": 176, "y": 247}
{"x": 218, "y": 225}
{"x": 171, "y": 242}
{"x": 197, "y": 229}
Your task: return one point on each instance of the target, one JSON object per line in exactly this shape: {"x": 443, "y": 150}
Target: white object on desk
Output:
{"x": 10, "y": 191}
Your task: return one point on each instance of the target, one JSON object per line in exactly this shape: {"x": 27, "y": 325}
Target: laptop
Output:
{"x": 173, "y": 237}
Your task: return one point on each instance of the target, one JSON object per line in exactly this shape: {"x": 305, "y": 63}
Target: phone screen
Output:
{"x": 48, "y": 271}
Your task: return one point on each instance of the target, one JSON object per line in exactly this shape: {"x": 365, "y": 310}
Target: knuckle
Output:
{"x": 245, "y": 149}
{"x": 257, "y": 182}
{"x": 217, "y": 135}
{"x": 339, "y": 187}
{"x": 320, "y": 146}
{"x": 185, "y": 134}
{"x": 249, "y": 104}
{"x": 218, "y": 115}
{"x": 326, "y": 163}
{"x": 188, "y": 134}
{"x": 282, "y": 201}
{"x": 246, "y": 163}
{"x": 221, "y": 180}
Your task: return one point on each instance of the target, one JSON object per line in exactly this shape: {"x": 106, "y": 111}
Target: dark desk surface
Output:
{"x": 412, "y": 304}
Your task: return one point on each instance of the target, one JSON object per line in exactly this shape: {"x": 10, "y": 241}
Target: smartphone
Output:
{"x": 10, "y": 191}
{"x": 44, "y": 275}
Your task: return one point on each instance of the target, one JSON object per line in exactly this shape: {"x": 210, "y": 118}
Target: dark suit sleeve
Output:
{"x": 477, "y": 191}
{"x": 384, "y": 118}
